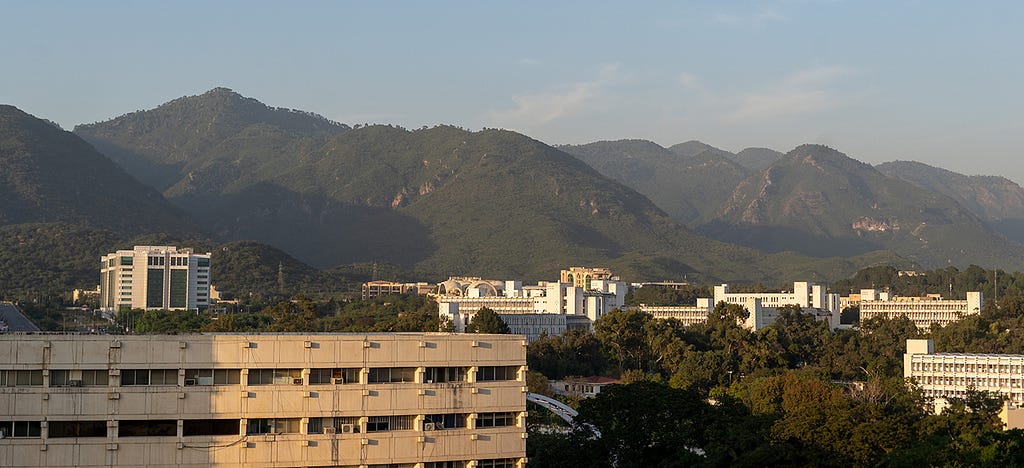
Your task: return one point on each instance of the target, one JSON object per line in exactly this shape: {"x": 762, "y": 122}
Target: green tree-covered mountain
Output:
{"x": 996, "y": 200}
{"x": 689, "y": 184}
{"x": 442, "y": 199}
{"x": 48, "y": 175}
{"x": 170, "y": 144}
{"x": 818, "y": 201}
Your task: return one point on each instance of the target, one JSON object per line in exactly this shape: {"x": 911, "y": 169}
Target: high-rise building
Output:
{"x": 154, "y": 277}
{"x": 263, "y": 400}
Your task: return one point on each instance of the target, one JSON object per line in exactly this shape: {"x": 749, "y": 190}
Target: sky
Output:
{"x": 932, "y": 81}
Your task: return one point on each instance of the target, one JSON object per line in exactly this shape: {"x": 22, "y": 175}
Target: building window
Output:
{"x": 391, "y": 375}
{"x": 20, "y": 429}
{"x": 490, "y": 373}
{"x": 59, "y": 378}
{"x": 209, "y": 427}
{"x": 213, "y": 377}
{"x": 126, "y": 261}
{"x": 272, "y": 426}
{"x": 447, "y": 464}
{"x": 203, "y": 262}
{"x": 179, "y": 288}
{"x": 495, "y": 419}
{"x": 389, "y": 423}
{"x": 154, "y": 288}
{"x": 62, "y": 429}
{"x": 95, "y": 378}
{"x": 130, "y": 377}
{"x": 148, "y": 428}
{"x": 323, "y": 376}
{"x": 21, "y": 378}
{"x": 445, "y": 374}
{"x": 439, "y": 422}
{"x": 274, "y": 376}
{"x": 341, "y": 425}
{"x": 497, "y": 463}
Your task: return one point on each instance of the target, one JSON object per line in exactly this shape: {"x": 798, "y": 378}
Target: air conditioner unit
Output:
{"x": 348, "y": 428}
{"x": 297, "y": 381}
{"x": 330, "y": 430}
{"x": 428, "y": 426}
{"x": 337, "y": 381}
{"x": 190, "y": 382}
{"x": 74, "y": 383}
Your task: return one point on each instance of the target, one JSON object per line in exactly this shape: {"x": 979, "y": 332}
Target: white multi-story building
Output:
{"x": 263, "y": 400}
{"x": 944, "y": 375}
{"x": 548, "y": 308}
{"x": 154, "y": 277}
{"x": 923, "y": 311}
{"x": 762, "y": 307}
{"x": 689, "y": 315}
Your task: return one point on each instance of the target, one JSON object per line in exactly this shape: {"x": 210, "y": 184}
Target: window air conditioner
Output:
{"x": 190, "y": 382}
{"x": 297, "y": 381}
{"x": 330, "y": 430}
{"x": 74, "y": 383}
{"x": 337, "y": 381}
{"x": 348, "y": 428}
{"x": 428, "y": 426}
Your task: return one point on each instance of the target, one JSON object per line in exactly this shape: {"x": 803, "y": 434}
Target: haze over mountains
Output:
{"x": 439, "y": 199}
{"x": 818, "y": 201}
{"x": 445, "y": 200}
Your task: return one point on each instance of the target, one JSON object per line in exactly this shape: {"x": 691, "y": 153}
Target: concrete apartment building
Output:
{"x": 373, "y": 289}
{"x": 154, "y": 277}
{"x": 408, "y": 399}
{"x": 923, "y": 311}
{"x": 763, "y": 307}
{"x": 548, "y": 308}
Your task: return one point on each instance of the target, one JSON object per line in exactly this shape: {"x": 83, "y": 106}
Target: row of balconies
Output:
{"x": 273, "y": 449}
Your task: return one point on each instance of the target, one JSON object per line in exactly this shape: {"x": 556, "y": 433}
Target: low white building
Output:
{"x": 548, "y": 308}
{"x": 581, "y": 387}
{"x": 923, "y": 311}
{"x": 763, "y": 307}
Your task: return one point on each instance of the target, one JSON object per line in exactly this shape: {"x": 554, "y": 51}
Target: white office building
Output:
{"x": 945, "y": 375}
{"x": 923, "y": 311}
{"x": 154, "y": 277}
{"x": 547, "y": 308}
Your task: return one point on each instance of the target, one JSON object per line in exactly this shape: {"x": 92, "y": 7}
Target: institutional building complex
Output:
{"x": 409, "y": 399}
{"x": 547, "y": 308}
{"x": 154, "y": 277}
{"x": 923, "y": 311}
{"x": 763, "y": 307}
{"x": 946, "y": 375}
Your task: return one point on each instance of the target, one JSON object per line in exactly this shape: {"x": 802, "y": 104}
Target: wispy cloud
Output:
{"x": 689, "y": 80}
{"x": 545, "y": 107}
{"x": 804, "y": 92}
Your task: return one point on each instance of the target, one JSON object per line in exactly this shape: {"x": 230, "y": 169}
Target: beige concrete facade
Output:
{"x": 263, "y": 400}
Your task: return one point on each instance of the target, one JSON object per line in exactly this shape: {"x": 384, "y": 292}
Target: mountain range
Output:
{"x": 820, "y": 202}
{"x": 439, "y": 201}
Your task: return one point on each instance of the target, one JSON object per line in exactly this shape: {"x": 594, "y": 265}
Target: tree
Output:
{"x": 487, "y": 321}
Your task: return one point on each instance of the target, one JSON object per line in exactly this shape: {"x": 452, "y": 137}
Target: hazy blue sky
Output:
{"x": 933, "y": 81}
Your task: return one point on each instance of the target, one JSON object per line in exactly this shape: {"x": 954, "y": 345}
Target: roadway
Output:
{"x": 15, "y": 319}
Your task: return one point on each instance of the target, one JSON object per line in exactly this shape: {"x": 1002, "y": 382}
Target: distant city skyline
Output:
{"x": 936, "y": 82}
